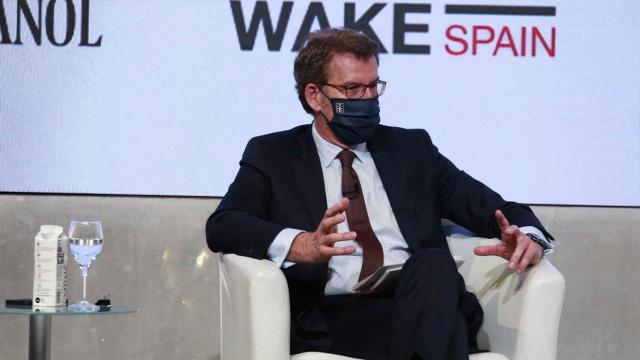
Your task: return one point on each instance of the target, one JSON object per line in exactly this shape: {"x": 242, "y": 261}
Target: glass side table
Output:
{"x": 40, "y": 326}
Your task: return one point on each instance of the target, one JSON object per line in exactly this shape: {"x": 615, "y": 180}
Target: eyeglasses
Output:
{"x": 357, "y": 91}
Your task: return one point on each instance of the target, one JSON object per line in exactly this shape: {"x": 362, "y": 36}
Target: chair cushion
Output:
{"x": 487, "y": 356}
{"x": 325, "y": 356}
{"x": 319, "y": 356}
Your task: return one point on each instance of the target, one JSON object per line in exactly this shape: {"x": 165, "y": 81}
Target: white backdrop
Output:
{"x": 167, "y": 102}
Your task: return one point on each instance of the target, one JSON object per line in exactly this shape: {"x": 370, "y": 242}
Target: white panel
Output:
{"x": 168, "y": 101}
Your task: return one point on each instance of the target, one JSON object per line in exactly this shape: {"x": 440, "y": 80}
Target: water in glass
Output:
{"x": 85, "y": 243}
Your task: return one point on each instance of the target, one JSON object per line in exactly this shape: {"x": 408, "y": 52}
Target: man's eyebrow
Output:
{"x": 349, "y": 83}
{"x": 374, "y": 81}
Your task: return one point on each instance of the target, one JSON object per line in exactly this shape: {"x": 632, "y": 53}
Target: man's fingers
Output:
{"x": 328, "y": 223}
{"x": 511, "y": 230}
{"x": 331, "y": 239}
{"x": 503, "y": 223}
{"x": 334, "y": 216}
{"x": 339, "y": 207}
{"x": 522, "y": 243}
{"x": 486, "y": 250}
{"x": 502, "y": 220}
{"x": 531, "y": 257}
{"x": 510, "y": 235}
{"x": 336, "y": 250}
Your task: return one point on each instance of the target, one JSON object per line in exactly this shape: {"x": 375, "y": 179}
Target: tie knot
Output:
{"x": 346, "y": 157}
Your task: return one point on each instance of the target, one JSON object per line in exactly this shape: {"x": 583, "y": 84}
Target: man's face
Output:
{"x": 344, "y": 70}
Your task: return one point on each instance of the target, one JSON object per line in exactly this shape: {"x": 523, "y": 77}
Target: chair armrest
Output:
{"x": 521, "y": 323}
{"x": 542, "y": 290}
{"x": 254, "y": 315}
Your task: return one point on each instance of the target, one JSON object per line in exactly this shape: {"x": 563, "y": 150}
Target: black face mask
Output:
{"x": 354, "y": 120}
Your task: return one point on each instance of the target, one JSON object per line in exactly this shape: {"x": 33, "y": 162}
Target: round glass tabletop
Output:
{"x": 63, "y": 311}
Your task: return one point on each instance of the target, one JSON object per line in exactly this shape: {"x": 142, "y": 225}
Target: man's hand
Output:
{"x": 317, "y": 247}
{"x": 515, "y": 246}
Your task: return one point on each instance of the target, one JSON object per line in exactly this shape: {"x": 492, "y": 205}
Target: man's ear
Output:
{"x": 313, "y": 96}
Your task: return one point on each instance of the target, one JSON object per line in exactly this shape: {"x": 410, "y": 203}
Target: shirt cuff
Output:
{"x": 534, "y": 230}
{"x": 280, "y": 246}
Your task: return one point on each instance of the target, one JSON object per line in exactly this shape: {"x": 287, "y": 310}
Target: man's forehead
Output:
{"x": 347, "y": 67}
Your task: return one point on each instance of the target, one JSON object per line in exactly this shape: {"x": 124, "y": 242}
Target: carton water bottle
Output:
{"x": 50, "y": 268}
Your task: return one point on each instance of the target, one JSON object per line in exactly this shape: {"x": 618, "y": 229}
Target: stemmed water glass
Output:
{"x": 85, "y": 243}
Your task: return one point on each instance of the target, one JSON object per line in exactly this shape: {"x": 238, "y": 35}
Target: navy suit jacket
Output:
{"x": 280, "y": 185}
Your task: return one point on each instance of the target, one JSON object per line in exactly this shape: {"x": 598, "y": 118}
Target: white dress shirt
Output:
{"x": 344, "y": 270}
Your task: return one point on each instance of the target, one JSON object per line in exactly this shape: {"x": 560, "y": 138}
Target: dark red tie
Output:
{"x": 358, "y": 219}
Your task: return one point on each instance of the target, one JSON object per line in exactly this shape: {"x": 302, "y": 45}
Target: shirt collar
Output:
{"x": 328, "y": 151}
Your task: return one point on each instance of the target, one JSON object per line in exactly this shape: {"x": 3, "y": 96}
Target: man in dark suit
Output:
{"x": 333, "y": 201}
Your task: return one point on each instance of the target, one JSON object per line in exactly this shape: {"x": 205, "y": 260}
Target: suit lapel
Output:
{"x": 308, "y": 173}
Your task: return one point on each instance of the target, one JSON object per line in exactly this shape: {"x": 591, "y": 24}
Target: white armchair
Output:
{"x": 521, "y": 322}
